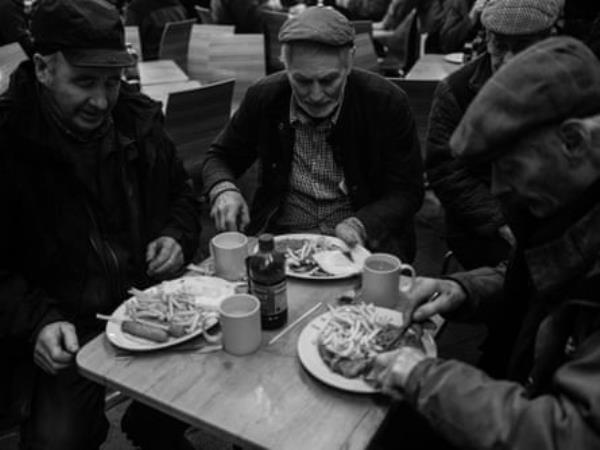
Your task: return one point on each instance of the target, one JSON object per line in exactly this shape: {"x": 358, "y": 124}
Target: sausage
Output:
{"x": 144, "y": 331}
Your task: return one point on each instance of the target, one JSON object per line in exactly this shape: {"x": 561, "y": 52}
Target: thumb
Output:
{"x": 69, "y": 338}
{"x": 151, "y": 250}
{"x": 426, "y": 310}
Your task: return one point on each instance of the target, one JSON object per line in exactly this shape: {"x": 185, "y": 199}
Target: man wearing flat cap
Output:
{"x": 537, "y": 122}
{"x": 94, "y": 202}
{"x": 476, "y": 229}
{"x": 337, "y": 146}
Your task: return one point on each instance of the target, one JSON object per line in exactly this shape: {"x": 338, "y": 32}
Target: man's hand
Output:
{"x": 391, "y": 370}
{"x": 230, "y": 212}
{"x": 350, "y": 231}
{"x": 430, "y": 296}
{"x": 506, "y": 233}
{"x": 55, "y": 347}
{"x": 164, "y": 256}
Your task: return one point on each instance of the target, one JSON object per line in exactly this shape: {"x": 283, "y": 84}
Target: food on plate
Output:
{"x": 173, "y": 313}
{"x": 354, "y": 334}
{"x": 145, "y": 331}
{"x": 300, "y": 253}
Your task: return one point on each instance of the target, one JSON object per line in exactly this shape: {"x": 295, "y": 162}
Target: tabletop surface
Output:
{"x": 432, "y": 66}
{"x": 263, "y": 400}
{"x": 160, "y": 71}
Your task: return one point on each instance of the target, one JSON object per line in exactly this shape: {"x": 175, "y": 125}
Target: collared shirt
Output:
{"x": 317, "y": 199}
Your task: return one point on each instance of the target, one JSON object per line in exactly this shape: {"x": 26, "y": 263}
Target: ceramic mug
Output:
{"x": 240, "y": 324}
{"x": 229, "y": 251}
{"x": 382, "y": 283}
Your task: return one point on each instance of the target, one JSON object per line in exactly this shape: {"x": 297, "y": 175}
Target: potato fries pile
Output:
{"x": 170, "y": 310}
{"x": 301, "y": 259}
{"x": 350, "y": 331}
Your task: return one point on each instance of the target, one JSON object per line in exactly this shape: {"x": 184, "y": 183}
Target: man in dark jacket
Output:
{"x": 14, "y": 24}
{"x": 337, "y": 147}
{"x": 95, "y": 202}
{"x": 475, "y": 225}
{"x": 538, "y": 122}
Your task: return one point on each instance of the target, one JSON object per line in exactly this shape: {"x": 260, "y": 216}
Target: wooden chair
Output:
{"x": 175, "y": 41}
{"x": 272, "y": 22}
{"x": 420, "y": 97}
{"x": 405, "y": 42}
{"x": 364, "y": 53}
{"x": 362, "y": 26}
{"x": 204, "y": 15}
{"x": 194, "y": 118}
{"x": 11, "y": 55}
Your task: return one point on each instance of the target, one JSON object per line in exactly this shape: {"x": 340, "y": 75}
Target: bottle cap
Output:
{"x": 265, "y": 242}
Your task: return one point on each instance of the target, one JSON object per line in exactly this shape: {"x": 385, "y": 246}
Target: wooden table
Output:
{"x": 263, "y": 400}
{"x": 431, "y": 66}
{"x": 160, "y": 92}
{"x": 160, "y": 71}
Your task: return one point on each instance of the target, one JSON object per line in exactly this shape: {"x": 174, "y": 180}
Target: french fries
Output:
{"x": 175, "y": 312}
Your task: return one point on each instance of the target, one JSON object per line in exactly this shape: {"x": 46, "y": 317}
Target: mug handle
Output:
{"x": 413, "y": 276}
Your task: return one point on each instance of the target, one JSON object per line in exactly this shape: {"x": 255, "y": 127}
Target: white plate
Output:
{"x": 209, "y": 291}
{"x": 454, "y": 58}
{"x": 359, "y": 253}
{"x": 310, "y": 358}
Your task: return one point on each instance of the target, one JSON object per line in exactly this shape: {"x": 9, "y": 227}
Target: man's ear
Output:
{"x": 577, "y": 140}
{"x": 43, "y": 71}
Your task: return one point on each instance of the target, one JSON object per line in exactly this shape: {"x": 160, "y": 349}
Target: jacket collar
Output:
{"x": 482, "y": 72}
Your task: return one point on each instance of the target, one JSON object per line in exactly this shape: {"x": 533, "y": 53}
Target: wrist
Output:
{"x": 220, "y": 188}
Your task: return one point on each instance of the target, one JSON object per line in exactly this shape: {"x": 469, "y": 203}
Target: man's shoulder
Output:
{"x": 271, "y": 86}
{"x": 373, "y": 91}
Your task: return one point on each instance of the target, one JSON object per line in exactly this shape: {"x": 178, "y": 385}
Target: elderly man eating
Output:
{"x": 538, "y": 122}
{"x": 337, "y": 146}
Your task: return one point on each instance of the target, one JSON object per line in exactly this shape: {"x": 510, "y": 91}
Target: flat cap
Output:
{"x": 515, "y": 17}
{"x": 323, "y": 25}
{"x": 89, "y": 33}
{"x": 554, "y": 80}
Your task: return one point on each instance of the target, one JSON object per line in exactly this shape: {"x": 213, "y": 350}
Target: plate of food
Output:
{"x": 314, "y": 256}
{"x": 454, "y": 58}
{"x": 338, "y": 346}
{"x": 168, "y": 314}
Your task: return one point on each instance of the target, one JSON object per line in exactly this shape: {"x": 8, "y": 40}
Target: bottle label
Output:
{"x": 273, "y": 297}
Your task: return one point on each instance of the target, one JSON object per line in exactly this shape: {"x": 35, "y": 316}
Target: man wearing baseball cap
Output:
{"x": 95, "y": 201}
{"x": 537, "y": 122}
{"x": 337, "y": 146}
{"x": 476, "y": 230}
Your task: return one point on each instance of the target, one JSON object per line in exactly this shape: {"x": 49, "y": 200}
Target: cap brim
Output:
{"x": 98, "y": 57}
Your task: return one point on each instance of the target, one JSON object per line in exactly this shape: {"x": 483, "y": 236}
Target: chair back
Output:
{"x": 420, "y": 97}
{"x": 175, "y": 41}
{"x": 405, "y": 42}
{"x": 204, "y": 14}
{"x": 132, "y": 36}
{"x": 11, "y": 55}
{"x": 362, "y": 26}
{"x": 364, "y": 52}
{"x": 272, "y": 22}
{"x": 194, "y": 118}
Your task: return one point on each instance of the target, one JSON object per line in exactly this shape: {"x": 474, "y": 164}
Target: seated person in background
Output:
{"x": 460, "y": 23}
{"x": 538, "y": 121}
{"x": 95, "y": 201}
{"x": 337, "y": 146}
{"x": 475, "y": 224}
{"x": 244, "y": 14}
{"x": 14, "y": 24}
{"x": 151, "y": 16}
{"x": 363, "y": 9}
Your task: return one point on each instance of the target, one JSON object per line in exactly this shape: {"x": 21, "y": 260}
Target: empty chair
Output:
{"x": 364, "y": 53}
{"x": 420, "y": 97}
{"x": 11, "y": 55}
{"x": 204, "y": 14}
{"x": 175, "y": 42}
{"x": 405, "y": 42}
{"x": 194, "y": 118}
{"x": 272, "y": 22}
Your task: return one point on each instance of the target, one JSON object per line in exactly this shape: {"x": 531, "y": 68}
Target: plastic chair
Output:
{"x": 175, "y": 42}
{"x": 272, "y": 22}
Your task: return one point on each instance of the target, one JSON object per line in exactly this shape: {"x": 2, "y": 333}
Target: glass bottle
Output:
{"x": 267, "y": 281}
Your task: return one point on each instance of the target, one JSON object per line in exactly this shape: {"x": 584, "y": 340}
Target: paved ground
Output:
{"x": 459, "y": 339}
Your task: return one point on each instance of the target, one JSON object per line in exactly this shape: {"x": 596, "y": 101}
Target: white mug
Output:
{"x": 381, "y": 281}
{"x": 240, "y": 324}
{"x": 229, "y": 251}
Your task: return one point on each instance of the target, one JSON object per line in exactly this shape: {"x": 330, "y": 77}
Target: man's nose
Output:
{"x": 316, "y": 92}
{"x": 99, "y": 98}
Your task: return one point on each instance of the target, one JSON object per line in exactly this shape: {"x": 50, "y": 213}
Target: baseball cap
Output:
{"x": 516, "y": 17}
{"x": 554, "y": 80}
{"x": 89, "y": 33}
{"x": 322, "y": 25}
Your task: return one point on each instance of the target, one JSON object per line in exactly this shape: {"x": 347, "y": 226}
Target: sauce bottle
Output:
{"x": 266, "y": 280}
